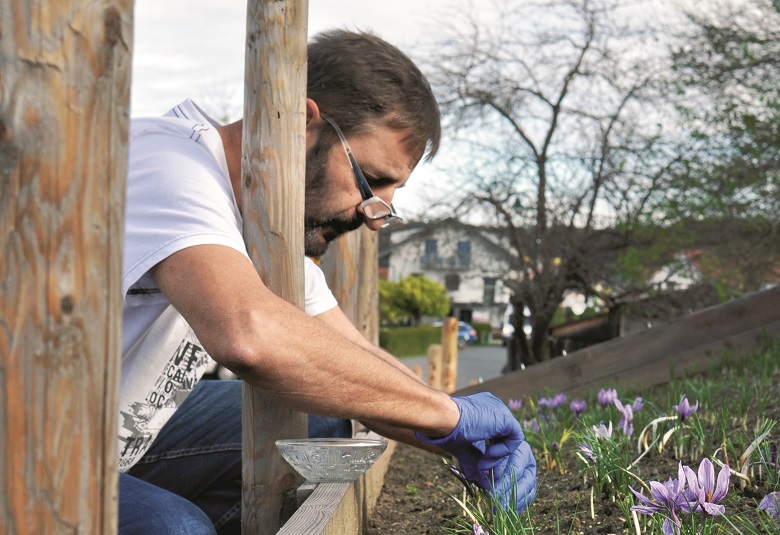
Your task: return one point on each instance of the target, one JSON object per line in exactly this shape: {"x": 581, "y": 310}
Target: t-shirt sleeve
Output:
{"x": 319, "y": 298}
{"x": 177, "y": 197}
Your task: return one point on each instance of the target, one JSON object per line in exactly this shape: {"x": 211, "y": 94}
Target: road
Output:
{"x": 478, "y": 363}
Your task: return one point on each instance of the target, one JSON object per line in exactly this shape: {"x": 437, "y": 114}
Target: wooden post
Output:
{"x": 449, "y": 343}
{"x": 273, "y": 170}
{"x": 63, "y": 161}
{"x": 434, "y": 365}
{"x": 352, "y": 270}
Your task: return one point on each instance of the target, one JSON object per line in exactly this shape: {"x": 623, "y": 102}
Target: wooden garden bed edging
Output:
{"x": 341, "y": 508}
{"x": 653, "y": 357}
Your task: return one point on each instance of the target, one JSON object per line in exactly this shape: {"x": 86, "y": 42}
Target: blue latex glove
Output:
{"x": 489, "y": 444}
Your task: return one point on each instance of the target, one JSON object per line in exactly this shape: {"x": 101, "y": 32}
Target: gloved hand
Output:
{"x": 489, "y": 444}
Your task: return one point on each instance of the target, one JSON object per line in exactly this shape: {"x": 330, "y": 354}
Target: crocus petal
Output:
{"x": 707, "y": 477}
{"x": 670, "y": 528}
{"x": 713, "y": 509}
{"x": 770, "y": 504}
{"x": 722, "y": 488}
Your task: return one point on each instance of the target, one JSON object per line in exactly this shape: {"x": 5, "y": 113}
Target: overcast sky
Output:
{"x": 195, "y": 49}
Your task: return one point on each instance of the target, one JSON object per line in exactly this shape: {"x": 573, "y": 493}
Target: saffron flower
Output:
{"x": 587, "y": 451}
{"x": 771, "y": 504}
{"x": 479, "y": 531}
{"x": 515, "y": 404}
{"x": 554, "y": 402}
{"x": 665, "y": 498}
{"x": 578, "y": 406}
{"x": 705, "y": 490}
{"x": 531, "y": 424}
{"x": 685, "y": 409}
{"x": 627, "y": 422}
{"x": 602, "y": 431}
{"x": 607, "y": 397}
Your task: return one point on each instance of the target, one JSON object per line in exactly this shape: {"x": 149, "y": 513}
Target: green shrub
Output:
{"x": 409, "y": 341}
{"x": 484, "y": 332}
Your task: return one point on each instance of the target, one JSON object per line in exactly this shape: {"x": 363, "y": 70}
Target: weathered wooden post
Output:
{"x": 449, "y": 344}
{"x": 434, "y": 365}
{"x": 273, "y": 170}
{"x": 64, "y": 102}
{"x": 351, "y": 268}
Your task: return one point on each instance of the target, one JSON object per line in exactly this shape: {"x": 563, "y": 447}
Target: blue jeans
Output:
{"x": 189, "y": 482}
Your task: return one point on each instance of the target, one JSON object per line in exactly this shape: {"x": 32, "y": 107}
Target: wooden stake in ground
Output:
{"x": 273, "y": 170}
{"x": 449, "y": 344}
{"x": 434, "y": 365}
{"x": 64, "y": 107}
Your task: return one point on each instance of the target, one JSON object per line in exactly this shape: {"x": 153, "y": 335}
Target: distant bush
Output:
{"x": 409, "y": 341}
{"x": 484, "y": 332}
{"x": 414, "y": 341}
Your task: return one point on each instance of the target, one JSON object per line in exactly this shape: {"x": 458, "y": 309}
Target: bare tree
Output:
{"x": 563, "y": 141}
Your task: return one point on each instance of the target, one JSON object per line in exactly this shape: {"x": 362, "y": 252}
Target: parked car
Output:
{"x": 467, "y": 334}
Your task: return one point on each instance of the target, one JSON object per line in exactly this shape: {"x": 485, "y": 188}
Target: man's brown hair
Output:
{"x": 359, "y": 79}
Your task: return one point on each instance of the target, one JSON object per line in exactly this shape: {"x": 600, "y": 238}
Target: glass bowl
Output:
{"x": 321, "y": 460}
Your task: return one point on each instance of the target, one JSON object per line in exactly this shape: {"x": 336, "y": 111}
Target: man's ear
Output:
{"x": 312, "y": 123}
{"x": 312, "y": 112}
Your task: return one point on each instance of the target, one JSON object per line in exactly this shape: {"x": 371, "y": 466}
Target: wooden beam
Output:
{"x": 449, "y": 349}
{"x": 273, "y": 170}
{"x": 64, "y": 108}
{"x": 341, "y": 508}
{"x": 434, "y": 366}
{"x": 351, "y": 268}
{"x": 690, "y": 344}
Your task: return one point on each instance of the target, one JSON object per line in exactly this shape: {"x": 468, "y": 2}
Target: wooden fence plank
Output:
{"x": 449, "y": 350}
{"x": 351, "y": 268}
{"x": 649, "y": 358}
{"x": 341, "y": 508}
{"x": 64, "y": 108}
{"x": 273, "y": 170}
{"x": 434, "y": 366}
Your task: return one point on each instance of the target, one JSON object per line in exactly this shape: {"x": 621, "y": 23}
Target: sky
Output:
{"x": 195, "y": 49}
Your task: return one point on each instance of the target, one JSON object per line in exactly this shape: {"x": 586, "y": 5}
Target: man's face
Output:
{"x": 332, "y": 196}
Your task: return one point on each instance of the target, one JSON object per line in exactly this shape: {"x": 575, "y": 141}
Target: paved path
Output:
{"x": 478, "y": 363}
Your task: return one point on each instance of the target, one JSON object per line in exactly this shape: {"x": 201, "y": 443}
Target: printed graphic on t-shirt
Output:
{"x": 141, "y": 421}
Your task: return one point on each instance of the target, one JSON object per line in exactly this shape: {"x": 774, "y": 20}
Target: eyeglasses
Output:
{"x": 373, "y": 207}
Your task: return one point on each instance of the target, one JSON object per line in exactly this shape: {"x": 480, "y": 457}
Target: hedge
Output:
{"x": 414, "y": 341}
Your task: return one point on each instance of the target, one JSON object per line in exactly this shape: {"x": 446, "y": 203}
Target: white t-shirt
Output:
{"x": 178, "y": 195}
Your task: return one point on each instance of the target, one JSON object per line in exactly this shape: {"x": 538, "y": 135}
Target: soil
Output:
{"x": 415, "y": 496}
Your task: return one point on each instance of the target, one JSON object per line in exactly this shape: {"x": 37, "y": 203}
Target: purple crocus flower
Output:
{"x": 627, "y": 421}
{"x": 554, "y": 402}
{"x": 685, "y": 409}
{"x": 479, "y": 531}
{"x": 665, "y": 498}
{"x": 578, "y": 406}
{"x": 771, "y": 504}
{"x": 587, "y": 451}
{"x": 602, "y": 431}
{"x": 515, "y": 404}
{"x": 705, "y": 490}
{"x": 531, "y": 424}
{"x": 607, "y": 397}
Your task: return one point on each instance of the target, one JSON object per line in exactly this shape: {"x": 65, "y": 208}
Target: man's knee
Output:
{"x": 145, "y": 508}
{"x": 320, "y": 427}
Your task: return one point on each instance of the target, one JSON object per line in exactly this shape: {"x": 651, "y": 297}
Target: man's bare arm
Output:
{"x": 297, "y": 359}
{"x": 337, "y": 320}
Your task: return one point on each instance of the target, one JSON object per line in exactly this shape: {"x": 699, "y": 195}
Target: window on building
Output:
{"x": 464, "y": 253}
{"x": 431, "y": 248}
{"x": 452, "y": 282}
{"x": 489, "y": 291}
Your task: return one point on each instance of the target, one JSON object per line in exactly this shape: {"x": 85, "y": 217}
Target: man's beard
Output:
{"x": 320, "y": 227}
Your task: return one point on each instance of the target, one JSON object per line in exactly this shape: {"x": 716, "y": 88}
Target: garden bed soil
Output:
{"x": 415, "y": 496}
